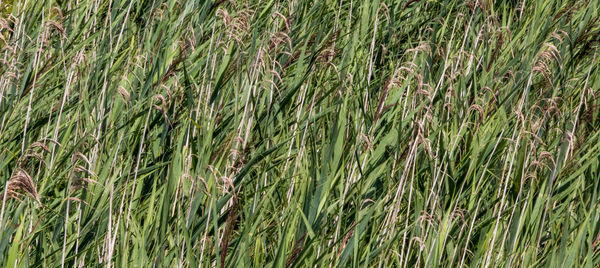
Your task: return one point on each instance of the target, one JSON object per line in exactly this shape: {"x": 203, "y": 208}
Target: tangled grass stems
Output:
{"x": 299, "y": 133}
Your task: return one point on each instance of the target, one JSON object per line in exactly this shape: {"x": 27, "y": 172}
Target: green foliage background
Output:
{"x": 327, "y": 133}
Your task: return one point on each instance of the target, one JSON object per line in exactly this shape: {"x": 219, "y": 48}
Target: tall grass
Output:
{"x": 164, "y": 133}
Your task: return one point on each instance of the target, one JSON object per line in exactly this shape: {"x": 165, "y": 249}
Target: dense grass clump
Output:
{"x": 334, "y": 133}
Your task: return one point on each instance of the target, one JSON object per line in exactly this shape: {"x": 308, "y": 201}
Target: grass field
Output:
{"x": 334, "y": 133}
